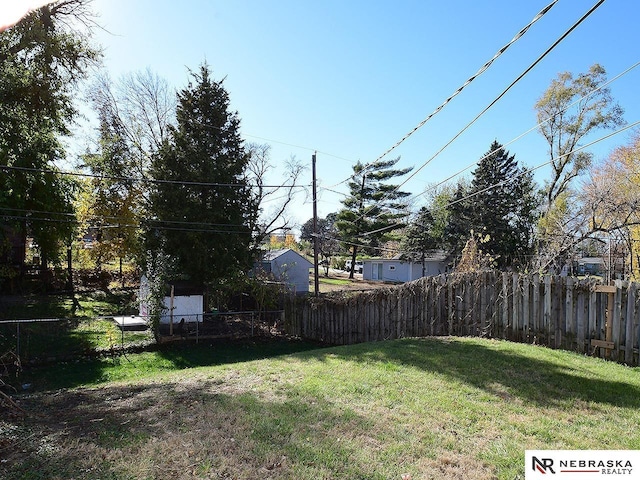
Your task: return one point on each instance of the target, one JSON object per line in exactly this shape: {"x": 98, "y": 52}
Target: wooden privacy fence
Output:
{"x": 560, "y": 312}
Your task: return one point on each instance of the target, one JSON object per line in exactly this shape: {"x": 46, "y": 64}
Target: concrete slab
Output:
{"x": 131, "y": 322}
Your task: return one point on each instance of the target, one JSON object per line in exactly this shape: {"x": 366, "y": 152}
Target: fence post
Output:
{"x": 18, "y": 340}
{"x": 616, "y": 334}
{"x": 526, "y": 323}
{"x": 506, "y": 326}
{"x": 536, "y": 305}
{"x": 556, "y": 312}
{"x": 547, "y": 308}
{"x": 629, "y": 319}
{"x": 570, "y": 317}
{"x": 517, "y": 299}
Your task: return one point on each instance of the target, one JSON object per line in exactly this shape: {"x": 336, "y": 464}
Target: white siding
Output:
{"x": 189, "y": 307}
{"x": 399, "y": 271}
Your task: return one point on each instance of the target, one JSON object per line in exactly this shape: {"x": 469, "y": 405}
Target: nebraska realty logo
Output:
{"x": 579, "y": 464}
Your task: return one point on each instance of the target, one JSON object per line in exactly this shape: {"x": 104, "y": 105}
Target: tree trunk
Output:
{"x": 353, "y": 261}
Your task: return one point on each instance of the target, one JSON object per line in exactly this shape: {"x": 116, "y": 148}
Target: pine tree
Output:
{"x": 373, "y": 209}
{"x": 203, "y": 228}
{"x": 501, "y": 206}
{"x": 420, "y": 239}
{"x": 457, "y": 229}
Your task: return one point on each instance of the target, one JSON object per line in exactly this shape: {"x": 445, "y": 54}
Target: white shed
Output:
{"x": 188, "y": 303}
{"x": 288, "y": 266}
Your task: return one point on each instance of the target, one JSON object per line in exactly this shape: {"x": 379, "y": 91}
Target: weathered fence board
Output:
{"x": 560, "y": 312}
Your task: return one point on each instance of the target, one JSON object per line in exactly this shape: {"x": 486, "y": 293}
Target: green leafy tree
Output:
{"x": 43, "y": 58}
{"x": 437, "y": 205}
{"x": 110, "y": 205}
{"x": 373, "y": 208}
{"x": 502, "y": 206}
{"x": 569, "y": 110}
{"x": 202, "y": 204}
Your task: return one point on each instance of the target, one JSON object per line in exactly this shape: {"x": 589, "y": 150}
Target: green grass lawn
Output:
{"x": 81, "y": 328}
{"x": 440, "y": 408}
{"x": 334, "y": 281}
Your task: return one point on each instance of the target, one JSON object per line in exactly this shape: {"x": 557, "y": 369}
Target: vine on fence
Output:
{"x": 9, "y": 366}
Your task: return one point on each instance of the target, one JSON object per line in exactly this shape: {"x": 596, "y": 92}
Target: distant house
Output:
{"x": 400, "y": 271}
{"x": 288, "y": 266}
{"x": 590, "y": 266}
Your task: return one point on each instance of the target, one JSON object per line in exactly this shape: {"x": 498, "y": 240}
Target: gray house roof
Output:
{"x": 287, "y": 266}
{"x": 435, "y": 256}
{"x": 273, "y": 254}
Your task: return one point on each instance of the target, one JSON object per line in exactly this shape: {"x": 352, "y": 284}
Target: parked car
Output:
{"x": 357, "y": 268}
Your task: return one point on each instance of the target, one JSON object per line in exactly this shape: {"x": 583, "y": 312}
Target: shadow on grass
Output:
{"x": 40, "y": 341}
{"x": 219, "y": 352}
{"x": 534, "y": 374}
{"x": 177, "y": 430}
{"x": 37, "y": 342}
{"x": 164, "y": 358}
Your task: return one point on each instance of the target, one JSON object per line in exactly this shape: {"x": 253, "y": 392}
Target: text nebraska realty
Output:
{"x": 605, "y": 467}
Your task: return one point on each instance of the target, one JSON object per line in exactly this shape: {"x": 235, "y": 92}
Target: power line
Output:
{"x": 482, "y": 69}
{"x": 294, "y": 145}
{"x": 534, "y": 127}
{"x": 147, "y": 180}
{"x": 302, "y": 147}
{"x": 604, "y": 85}
{"x": 354, "y": 244}
{"x": 125, "y": 223}
{"x": 504, "y": 92}
{"x": 333, "y": 191}
{"x": 150, "y": 226}
{"x": 523, "y": 172}
{"x": 519, "y": 35}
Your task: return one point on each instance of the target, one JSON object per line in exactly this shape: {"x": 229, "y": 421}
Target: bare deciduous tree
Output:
{"x": 273, "y": 200}
{"x": 143, "y": 105}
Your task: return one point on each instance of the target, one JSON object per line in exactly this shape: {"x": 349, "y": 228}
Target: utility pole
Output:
{"x": 316, "y": 282}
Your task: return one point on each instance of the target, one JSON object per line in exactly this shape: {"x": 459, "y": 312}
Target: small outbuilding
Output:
{"x": 181, "y": 301}
{"x": 397, "y": 270}
{"x": 287, "y": 266}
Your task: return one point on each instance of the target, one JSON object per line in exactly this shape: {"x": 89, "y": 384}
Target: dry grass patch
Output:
{"x": 412, "y": 409}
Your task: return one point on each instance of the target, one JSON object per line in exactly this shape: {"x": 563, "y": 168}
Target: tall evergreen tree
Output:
{"x": 373, "y": 209}
{"x": 457, "y": 228}
{"x": 502, "y": 206}
{"x": 421, "y": 238}
{"x": 203, "y": 228}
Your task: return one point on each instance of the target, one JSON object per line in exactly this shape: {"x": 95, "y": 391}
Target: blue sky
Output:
{"x": 350, "y": 78}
